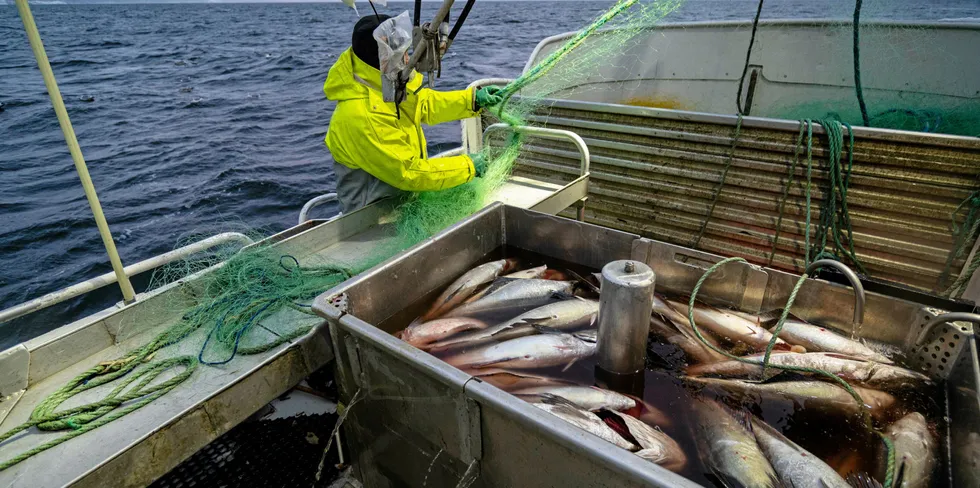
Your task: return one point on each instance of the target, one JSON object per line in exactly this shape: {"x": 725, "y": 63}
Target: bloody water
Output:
{"x": 842, "y": 442}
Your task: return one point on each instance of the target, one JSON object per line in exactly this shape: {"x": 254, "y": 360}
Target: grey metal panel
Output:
{"x": 655, "y": 171}
{"x": 521, "y": 443}
{"x": 964, "y": 412}
{"x": 558, "y": 237}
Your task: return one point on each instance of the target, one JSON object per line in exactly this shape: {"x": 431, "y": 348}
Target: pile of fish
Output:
{"x": 497, "y": 322}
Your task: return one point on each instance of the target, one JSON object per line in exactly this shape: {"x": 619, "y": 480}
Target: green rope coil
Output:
{"x": 866, "y": 416}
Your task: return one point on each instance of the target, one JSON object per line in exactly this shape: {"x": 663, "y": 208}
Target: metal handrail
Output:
{"x": 859, "y": 296}
{"x": 316, "y": 202}
{"x": 84, "y": 287}
{"x": 546, "y": 133}
{"x": 946, "y": 317}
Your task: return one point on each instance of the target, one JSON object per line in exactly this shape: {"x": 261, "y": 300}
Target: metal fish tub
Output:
{"x": 417, "y": 421}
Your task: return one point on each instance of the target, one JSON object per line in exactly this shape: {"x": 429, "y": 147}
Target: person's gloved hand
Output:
{"x": 488, "y": 96}
{"x": 479, "y": 164}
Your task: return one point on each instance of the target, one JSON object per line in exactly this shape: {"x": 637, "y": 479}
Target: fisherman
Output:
{"x": 379, "y": 149}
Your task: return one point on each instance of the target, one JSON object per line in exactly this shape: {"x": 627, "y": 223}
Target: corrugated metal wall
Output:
{"x": 654, "y": 173}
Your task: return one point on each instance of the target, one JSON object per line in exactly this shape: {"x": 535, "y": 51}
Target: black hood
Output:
{"x": 362, "y": 40}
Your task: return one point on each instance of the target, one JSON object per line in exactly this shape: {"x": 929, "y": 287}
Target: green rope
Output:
{"x": 865, "y": 414}
{"x": 962, "y": 235}
{"x": 789, "y": 183}
{"x": 721, "y": 182}
{"x": 748, "y": 57}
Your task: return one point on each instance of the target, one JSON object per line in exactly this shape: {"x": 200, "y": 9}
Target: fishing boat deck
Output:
{"x": 139, "y": 447}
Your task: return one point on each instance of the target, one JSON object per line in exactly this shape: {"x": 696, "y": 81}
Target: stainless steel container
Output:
{"x": 416, "y": 421}
{"x": 625, "y": 306}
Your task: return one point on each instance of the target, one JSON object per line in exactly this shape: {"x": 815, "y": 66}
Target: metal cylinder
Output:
{"x": 625, "y": 305}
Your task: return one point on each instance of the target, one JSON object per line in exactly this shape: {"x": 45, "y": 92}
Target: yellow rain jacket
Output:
{"x": 367, "y": 134}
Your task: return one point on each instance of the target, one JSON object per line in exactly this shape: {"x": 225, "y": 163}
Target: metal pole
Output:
{"x": 76, "y": 152}
{"x": 625, "y": 305}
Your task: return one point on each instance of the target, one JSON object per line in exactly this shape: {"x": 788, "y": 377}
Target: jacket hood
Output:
{"x": 341, "y": 83}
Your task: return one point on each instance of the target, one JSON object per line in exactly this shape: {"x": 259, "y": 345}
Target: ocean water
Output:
{"x": 200, "y": 118}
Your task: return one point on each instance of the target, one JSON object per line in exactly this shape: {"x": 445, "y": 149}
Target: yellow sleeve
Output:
{"x": 437, "y": 107}
{"x": 392, "y": 158}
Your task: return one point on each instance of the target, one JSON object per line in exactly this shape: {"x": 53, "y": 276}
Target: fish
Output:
{"x": 819, "y": 339}
{"x": 730, "y": 327}
{"x": 915, "y": 451}
{"x": 794, "y": 465}
{"x": 466, "y": 285}
{"x": 528, "y": 273}
{"x": 728, "y": 448}
{"x": 821, "y": 395}
{"x": 853, "y": 370}
{"x": 537, "y": 351}
{"x": 421, "y": 334}
{"x": 684, "y": 338}
{"x": 509, "y": 380}
{"x": 589, "y": 398}
{"x": 655, "y": 445}
{"x": 516, "y": 294}
{"x": 563, "y": 315}
{"x": 586, "y": 421}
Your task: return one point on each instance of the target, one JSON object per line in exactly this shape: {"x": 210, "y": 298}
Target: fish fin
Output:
{"x": 569, "y": 365}
{"x": 769, "y": 319}
{"x": 723, "y": 479}
{"x": 864, "y": 480}
{"x": 544, "y": 329}
{"x": 590, "y": 335}
{"x": 582, "y": 281}
{"x": 561, "y": 295}
{"x": 491, "y": 363}
{"x": 618, "y": 425}
{"x": 537, "y": 320}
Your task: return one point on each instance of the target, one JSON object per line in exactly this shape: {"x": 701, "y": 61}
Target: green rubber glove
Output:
{"x": 479, "y": 164}
{"x": 488, "y": 96}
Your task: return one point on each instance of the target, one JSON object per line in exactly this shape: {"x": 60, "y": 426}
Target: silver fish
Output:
{"x": 528, "y": 273}
{"x": 728, "y": 448}
{"x": 589, "y": 398}
{"x": 915, "y": 451}
{"x": 655, "y": 445}
{"x": 563, "y": 315}
{"x": 852, "y": 370}
{"x": 509, "y": 380}
{"x": 537, "y": 351}
{"x": 421, "y": 334}
{"x": 466, "y": 285}
{"x": 820, "y": 395}
{"x": 684, "y": 338}
{"x": 795, "y": 466}
{"x": 729, "y": 326}
{"x": 515, "y": 294}
{"x": 586, "y": 421}
{"x": 816, "y": 339}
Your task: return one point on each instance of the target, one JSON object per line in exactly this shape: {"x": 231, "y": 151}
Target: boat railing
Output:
{"x": 304, "y": 213}
{"x": 93, "y": 284}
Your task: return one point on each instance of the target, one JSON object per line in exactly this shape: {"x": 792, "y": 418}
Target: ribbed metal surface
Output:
{"x": 654, "y": 173}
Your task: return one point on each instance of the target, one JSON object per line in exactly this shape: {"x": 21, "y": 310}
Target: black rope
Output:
{"x": 748, "y": 56}
{"x": 461, "y": 19}
{"x": 857, "y": 64}
{"x": 375, "y": 11}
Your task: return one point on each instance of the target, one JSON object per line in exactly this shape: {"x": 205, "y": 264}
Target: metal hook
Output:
{"x": 859, "y": 298}
{"x": 946, "y": 317}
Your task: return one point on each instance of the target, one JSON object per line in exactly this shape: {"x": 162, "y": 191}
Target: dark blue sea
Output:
{"x": 198, "y": 118}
